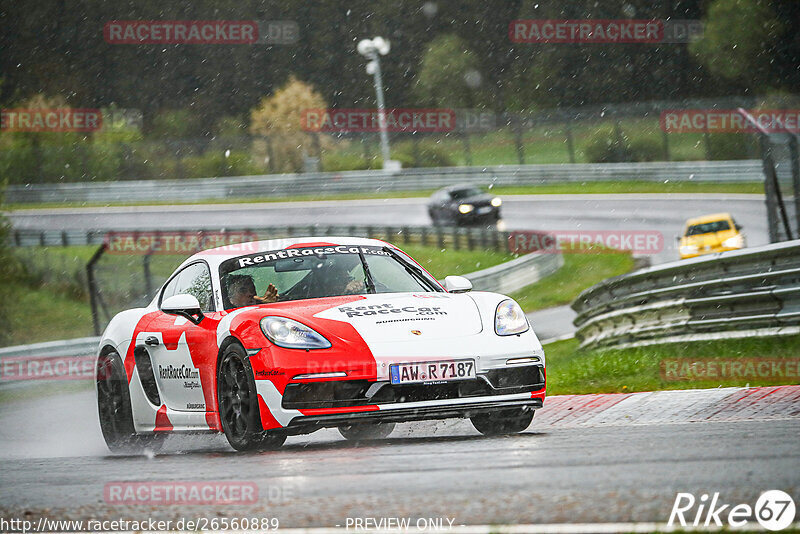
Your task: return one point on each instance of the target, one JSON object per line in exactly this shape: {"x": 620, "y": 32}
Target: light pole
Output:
{"x": 372, "y": 49}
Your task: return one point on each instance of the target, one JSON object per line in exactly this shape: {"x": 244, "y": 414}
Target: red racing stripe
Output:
{"x": 163, "y": 423}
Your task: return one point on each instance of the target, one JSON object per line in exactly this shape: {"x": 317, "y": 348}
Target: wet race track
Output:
{"x": 591, "y": 213}
{"x": 593, "y": 459}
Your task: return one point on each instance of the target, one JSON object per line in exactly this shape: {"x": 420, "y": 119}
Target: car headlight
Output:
{"x": 736, "y": 241}
{"x": 689, "y": 249}
{"x": 465, "y": 208}
{"x": 497, "y": 202}
{"x": 291, "y": 334}
{"x": 509, "y": 319}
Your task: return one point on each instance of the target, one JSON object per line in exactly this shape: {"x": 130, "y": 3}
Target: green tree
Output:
{"x": 448, "y": 74}
{"x": 580, "y": 74}
{"x": 281, "y": 118}
{"x": 751, "y": 42}
{"x": 9, "y": 273}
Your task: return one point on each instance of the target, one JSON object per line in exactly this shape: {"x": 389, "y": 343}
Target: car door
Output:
{"x": 183, "y": 354}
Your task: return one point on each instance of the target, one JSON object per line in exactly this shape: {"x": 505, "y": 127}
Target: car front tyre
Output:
{"x": 503, "y": 422}
{"x": 238, "y": 404}
{"x": 114, "y": 408}
{"x": 366, "y": 431}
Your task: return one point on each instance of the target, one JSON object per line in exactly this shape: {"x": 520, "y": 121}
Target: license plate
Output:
{"x": 442, "y": 371}
{"x": 484, "y": 210}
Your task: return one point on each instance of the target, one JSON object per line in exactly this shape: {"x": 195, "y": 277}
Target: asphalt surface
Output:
{"x": 552, "y": 323}
{"x": 592, "y": 213}
{"x": 55, "y": 465}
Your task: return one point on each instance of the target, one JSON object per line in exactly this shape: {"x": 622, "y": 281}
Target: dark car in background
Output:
{"x": 463, "y": 204}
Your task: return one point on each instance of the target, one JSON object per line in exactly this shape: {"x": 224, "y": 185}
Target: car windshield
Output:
{"x": 708, "y": 228}
{"x": 458, "y": 194}
{"x": 327, "y": 271}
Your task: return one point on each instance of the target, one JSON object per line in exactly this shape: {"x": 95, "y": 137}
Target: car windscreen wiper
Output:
{"x": 413, "y": 270}
{"x": 367, "y": 276}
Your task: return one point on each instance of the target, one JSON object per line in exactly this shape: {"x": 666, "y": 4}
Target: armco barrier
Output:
{"x": 284, "y": 185}
{"x": 516, "y": 274}
{"x": 50, "y": 350}
{"x": 441, "y": 236}
{"x": 745, "y": 293}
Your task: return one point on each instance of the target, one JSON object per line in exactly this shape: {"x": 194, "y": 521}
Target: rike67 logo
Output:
{"x": 774, "y": 510}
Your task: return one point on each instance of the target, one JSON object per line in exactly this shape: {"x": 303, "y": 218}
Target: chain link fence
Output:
{"x": 596, "y": 134}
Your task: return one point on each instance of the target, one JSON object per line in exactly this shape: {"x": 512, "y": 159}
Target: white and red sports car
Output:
{"x": 272, "y": 338}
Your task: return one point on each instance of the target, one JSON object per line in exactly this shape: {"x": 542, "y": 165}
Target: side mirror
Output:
{"x": 457, "y": 284}
{"x": 184, "y": 305}
{"x": 739, "y": 227}
{"x": 678, "y": 238}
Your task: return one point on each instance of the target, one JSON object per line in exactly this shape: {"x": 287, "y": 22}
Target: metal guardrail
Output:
{"x": 50, "y": 349}
{"x": 516, "y": 274}
{"x": 441, "y": 236}
{"x": 746, "y": 293}
{"x": 41, "y": 354}
{"x": 284, "y": 185}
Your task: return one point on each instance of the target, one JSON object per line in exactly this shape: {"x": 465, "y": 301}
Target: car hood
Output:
{"x": 398, "y": 317}
{"x": 476, "y": 199}
{"x": 713, "y": 239}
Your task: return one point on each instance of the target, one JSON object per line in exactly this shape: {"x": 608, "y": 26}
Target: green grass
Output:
{"x": 632, "y": 187}
{"x": 545, "y": 143}
{"x": 571, "y": 370}
{"x": 579, "y": 272}
{"x": 76, "y": 256}
{"x": 446, "y": 261}
{"x": 627, "y": 187}
{"x": 45, "y": 315}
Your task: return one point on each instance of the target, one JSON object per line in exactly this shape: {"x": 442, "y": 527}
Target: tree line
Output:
{"x": 446, "y": 53}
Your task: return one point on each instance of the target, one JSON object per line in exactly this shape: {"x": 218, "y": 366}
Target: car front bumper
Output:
{"x": 704, "y": 251}
{"x": 421, "y": 412}
{"x": 412, "y": 402}
{"x": 479, "y": 215}
{"x": 363, "y": 388}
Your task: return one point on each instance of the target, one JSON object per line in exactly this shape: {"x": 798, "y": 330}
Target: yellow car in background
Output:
{"x": 709, "y": 234}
